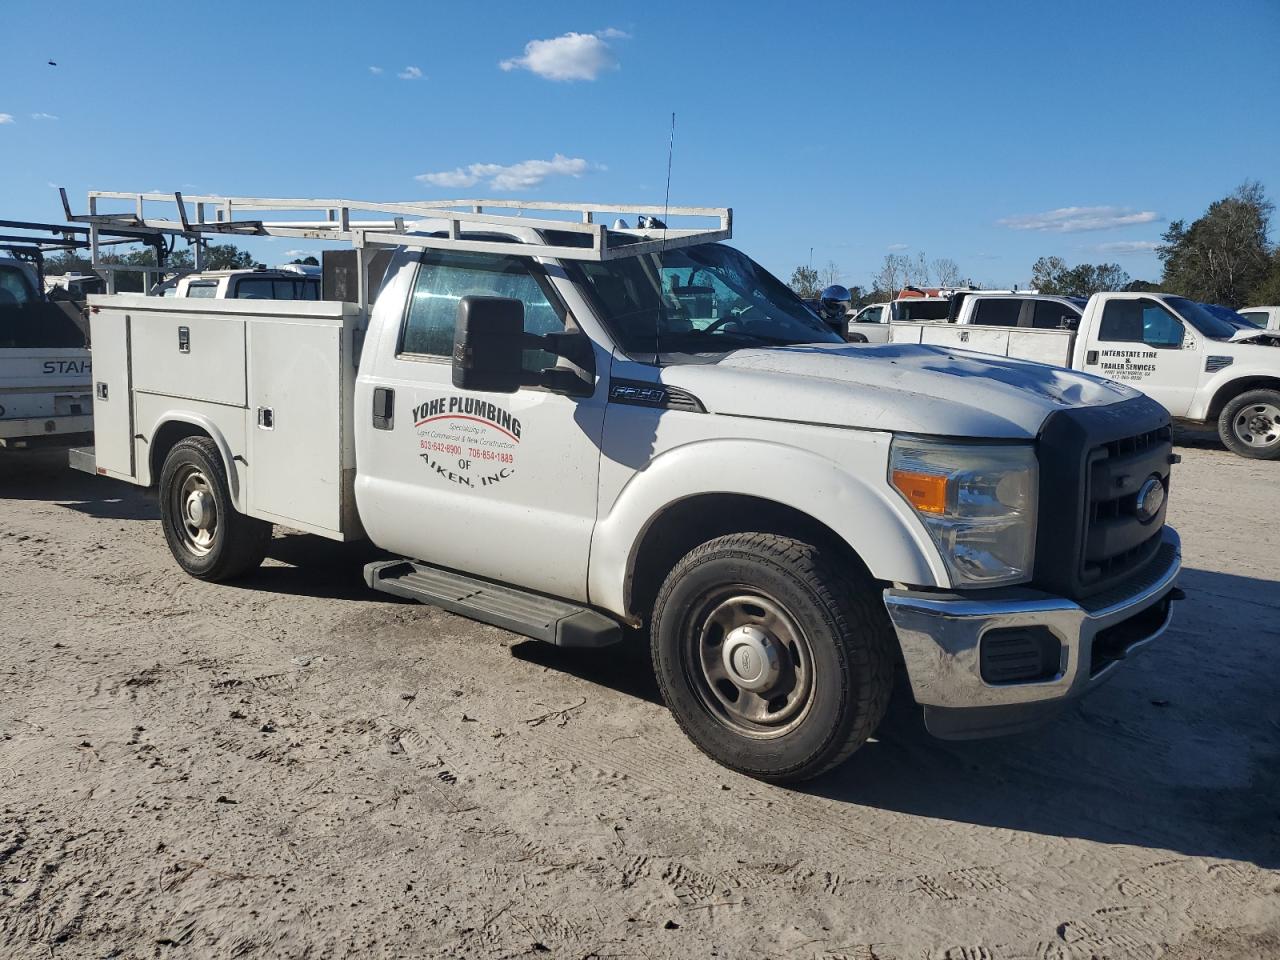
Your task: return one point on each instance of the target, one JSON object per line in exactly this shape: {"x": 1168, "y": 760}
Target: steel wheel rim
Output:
{"x": 1258, "y": 425}
{"x": 195, "y": 510}
{"x": 750, "y": 663}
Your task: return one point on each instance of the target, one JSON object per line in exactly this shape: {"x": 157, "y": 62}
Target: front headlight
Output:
{"x": 977, "y": 502}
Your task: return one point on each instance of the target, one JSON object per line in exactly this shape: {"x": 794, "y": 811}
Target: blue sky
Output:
{"x": 990, "y": 133}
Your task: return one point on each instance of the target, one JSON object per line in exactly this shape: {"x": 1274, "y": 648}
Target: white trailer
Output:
{"x": 568, "y": 430}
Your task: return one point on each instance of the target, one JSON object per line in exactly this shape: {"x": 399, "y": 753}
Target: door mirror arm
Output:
{"x": 573, "y": 345}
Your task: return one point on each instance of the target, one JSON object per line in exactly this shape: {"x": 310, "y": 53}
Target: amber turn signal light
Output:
{"x": 927, "y": 492}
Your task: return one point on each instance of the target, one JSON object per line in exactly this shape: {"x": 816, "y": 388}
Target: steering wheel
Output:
{"x": 715, "y": 325}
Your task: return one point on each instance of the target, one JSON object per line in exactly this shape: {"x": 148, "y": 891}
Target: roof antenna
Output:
{"x": 666, "y": 203}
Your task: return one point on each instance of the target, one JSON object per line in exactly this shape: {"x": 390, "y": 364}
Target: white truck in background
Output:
{"x": 552, "y": 434}
{"x": 1264, "y": 318}
{"x": 292, "y": 282}
{"x": 912, "y": 305}
{"x": 45, "y": 392}
{"x": 1171, "y": 348}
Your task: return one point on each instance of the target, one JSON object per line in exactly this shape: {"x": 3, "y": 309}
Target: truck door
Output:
{"x": 1140, "y": 342}
{"x": 499, "y": 485}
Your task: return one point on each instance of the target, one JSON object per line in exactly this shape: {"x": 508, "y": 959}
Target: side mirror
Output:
{"x": 488, "y": 344}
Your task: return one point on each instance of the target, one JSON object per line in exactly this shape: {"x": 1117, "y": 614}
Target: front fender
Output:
{"x": 855, "y": 503}
{"x": 1223, "y": 380}
{"x": 215, "y": 434}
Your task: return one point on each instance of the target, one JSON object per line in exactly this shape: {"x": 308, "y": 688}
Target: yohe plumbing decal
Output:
{"x": 466, "y": 441}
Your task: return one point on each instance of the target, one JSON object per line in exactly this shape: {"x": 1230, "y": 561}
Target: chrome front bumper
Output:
{"x": 941, "y": 637}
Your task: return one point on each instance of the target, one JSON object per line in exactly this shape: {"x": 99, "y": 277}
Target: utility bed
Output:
{"x": 270, "y": 380}
{"x": 1021, "y": 343}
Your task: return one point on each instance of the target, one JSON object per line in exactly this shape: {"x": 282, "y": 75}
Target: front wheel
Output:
{"x": 208, "y": 537}
{"x": 774, "y": 658}
{"x": 1250, "y": 425}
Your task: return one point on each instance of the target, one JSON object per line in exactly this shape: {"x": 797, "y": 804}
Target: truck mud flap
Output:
{"x": 82, "y": 459}
{"x": 529, "y": 614}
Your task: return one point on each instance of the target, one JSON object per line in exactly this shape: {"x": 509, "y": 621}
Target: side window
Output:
{"x": 1257, "y": 319}
{"x": 1140, "y": 321}
{"x": 1051, "y": 315}
{"x": 203, "y": 291}
{"x": 445, "y": 277}
{"x": 871, "y": 315}
{"x": 997, "y": 312}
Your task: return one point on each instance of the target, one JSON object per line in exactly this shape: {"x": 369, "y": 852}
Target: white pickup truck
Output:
{"x": 871, "y": 323}
{"x": 1169, "y": 347}
{"x": 1264, "y": 318}
{"x": 45, "y": 393}
{"x": 282, "y": 283}
{"x": 557, "y": 437}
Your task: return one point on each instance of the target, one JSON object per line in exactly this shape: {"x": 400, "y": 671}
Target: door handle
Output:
{"x": 1091, "y": 357}
{"x": 384, "y": 408}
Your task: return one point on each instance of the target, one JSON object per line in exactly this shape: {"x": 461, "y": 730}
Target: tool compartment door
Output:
{"x": 188, "y": 355}
{"x": 296, "y": 422}
{"x": 112, "y": 394}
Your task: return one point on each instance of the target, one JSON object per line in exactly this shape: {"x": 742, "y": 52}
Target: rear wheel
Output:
{"x": 774, "y": 658}
{"x": 1250, "y": 425}
{"x": 208, "y": 537}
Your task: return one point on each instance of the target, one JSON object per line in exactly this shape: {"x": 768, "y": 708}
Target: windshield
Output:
{"x": 1228, "y": 315}
{"x": 703, "y": 299}
{"x": 1195, "y": 314}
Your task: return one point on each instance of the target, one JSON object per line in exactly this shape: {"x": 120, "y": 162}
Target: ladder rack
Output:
{"x": 199, "y": 217}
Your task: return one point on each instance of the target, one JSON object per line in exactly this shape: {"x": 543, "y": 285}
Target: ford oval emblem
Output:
{"x": 1150, "y": 498}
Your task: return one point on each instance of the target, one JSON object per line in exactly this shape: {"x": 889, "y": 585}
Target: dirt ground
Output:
{"x": 297, "y": 767}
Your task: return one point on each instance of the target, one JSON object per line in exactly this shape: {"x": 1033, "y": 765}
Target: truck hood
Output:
{"x": 904, "y": 388}
{"x": 1252, "y": 338}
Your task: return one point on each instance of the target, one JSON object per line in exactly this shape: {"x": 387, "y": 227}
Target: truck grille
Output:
{"x": 1118, "y": 540}
{"x": 1102, "y": 515}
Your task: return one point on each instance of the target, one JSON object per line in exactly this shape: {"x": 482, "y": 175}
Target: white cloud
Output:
{"x": 898, "y": 247}
{"x": 410, "y": 73}
{"x": 574, "y": 56}
{"x": 6, "y": 118}
{"x": 43, "y": 116}
{"x": 376, "y": 70}
{"x": 302, "y": 253}
{"x": 613, "y": 33}
{"x": 1127, "y": 246}
{"x": 1077, "y": 219}
{"x": 516, "y": 176}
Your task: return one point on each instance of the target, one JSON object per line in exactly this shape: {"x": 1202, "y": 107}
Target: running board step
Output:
{"x": 532, "y": 615}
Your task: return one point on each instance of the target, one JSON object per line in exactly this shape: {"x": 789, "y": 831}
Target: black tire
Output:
{"x": 232, "y": 544}
{"x": 844, "y": 630}
{"x": 1249, "y": 425}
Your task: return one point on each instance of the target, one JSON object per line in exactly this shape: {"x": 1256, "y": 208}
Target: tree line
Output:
{"x": 1222, "y": 257}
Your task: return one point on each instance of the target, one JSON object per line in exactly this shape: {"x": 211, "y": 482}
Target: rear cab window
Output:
{"x": 27, "y": 321}
{"x": 15, "y": 291}
{"x": 923, "y": 309}
{"x": 1052, "y": 315}
{"x": 997, "y": 311}
{"x": 274, "y": 288}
